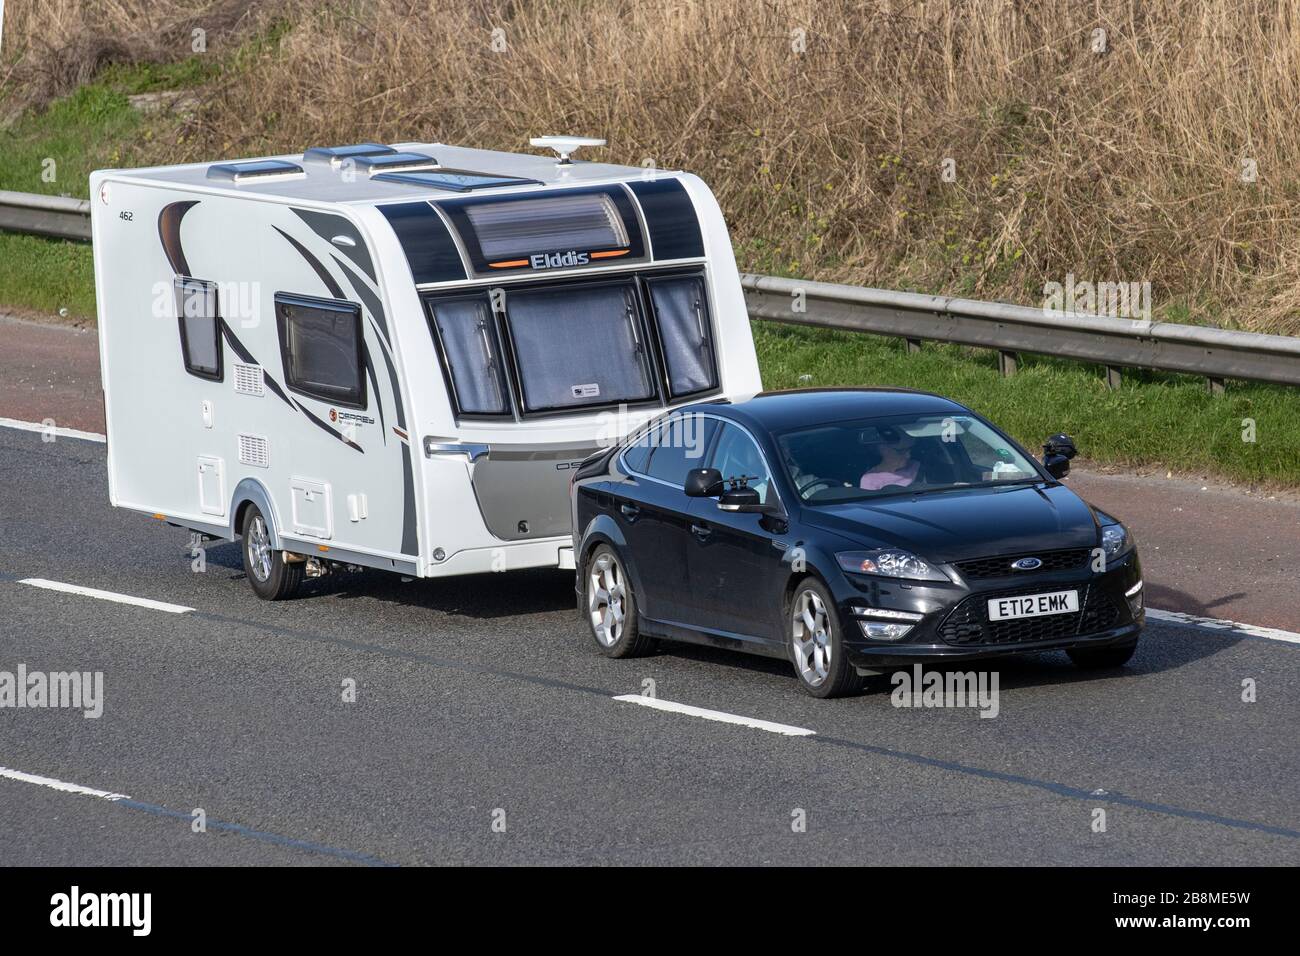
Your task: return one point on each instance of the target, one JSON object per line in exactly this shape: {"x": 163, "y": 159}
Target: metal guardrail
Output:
{"x": 57, "y": 216}
{"x": 1217, "y": 354}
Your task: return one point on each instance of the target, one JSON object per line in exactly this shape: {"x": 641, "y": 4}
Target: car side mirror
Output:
{"x": 741, "y": 499}
{"x": 1057, "y": 452}
{"x": 703, "y": 483}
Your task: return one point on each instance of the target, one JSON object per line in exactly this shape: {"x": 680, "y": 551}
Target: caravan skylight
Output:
{"x": 391, "y": 162}
{"x": 337, "y": 154}
{"x": 520, "y": 227}
{"x": 254, "y": 169}
{"x": 456, "y": 180}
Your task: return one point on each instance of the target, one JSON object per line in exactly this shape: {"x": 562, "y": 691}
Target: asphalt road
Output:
{"x": 483, "y": 699}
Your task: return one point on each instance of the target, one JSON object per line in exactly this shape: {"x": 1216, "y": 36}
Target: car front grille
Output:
{"x": 968, "y": 623}
{"x": 1000, "y": 566}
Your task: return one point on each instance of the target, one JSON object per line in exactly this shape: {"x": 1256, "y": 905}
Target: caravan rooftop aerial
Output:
{"x": 395, "y": 355}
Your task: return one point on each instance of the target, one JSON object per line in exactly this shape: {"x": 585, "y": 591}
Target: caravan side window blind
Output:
{"x": 200, "y": 323}
{"x": 465, "y": 328}
{"x": 682, "y": 315}
{"x": 579, "y": 345}
{"x": 322, "y": 348}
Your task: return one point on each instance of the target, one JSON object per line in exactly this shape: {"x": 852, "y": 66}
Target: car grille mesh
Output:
{"x": 1000, "y": 566}
{"x": 969, "y": 624}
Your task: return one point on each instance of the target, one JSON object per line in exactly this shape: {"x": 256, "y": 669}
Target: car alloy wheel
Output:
{"x": 811, "y": 637}
{"x": 606, "y": 596}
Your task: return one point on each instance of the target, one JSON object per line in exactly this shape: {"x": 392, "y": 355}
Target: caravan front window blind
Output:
{"x": 464, "y": 327}
{"x": 517, "y": 228}
{"x": 200, "y": 324}
{"x": 579, "y": 345}
{"x": 681, "y": 313}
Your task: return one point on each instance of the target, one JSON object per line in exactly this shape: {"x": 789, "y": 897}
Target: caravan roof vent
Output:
{"x": 394, "y": 161}
{"x": 256, "y": 169}
{"x": 455, "y": 180}
{"x": 337, "y": 154}
{"x": 565, "y": 146}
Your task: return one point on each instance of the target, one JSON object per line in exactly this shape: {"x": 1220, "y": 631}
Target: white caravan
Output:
{"x": 395, "y": 356}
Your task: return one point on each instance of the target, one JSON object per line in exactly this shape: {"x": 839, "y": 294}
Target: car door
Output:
{"x": 734, "y": 560}
{"x": 652, "y": 511}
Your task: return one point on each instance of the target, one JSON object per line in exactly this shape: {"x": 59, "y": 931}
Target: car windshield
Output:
{"x": 868, "y": 458}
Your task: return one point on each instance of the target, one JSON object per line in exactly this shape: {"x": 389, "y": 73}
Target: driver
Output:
{"x": 896, "y": 465}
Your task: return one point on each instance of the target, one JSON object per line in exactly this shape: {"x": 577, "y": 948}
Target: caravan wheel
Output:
{"x": 272, "y": 578}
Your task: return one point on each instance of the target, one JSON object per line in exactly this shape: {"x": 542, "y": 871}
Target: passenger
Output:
{"x": 896, "y": 465}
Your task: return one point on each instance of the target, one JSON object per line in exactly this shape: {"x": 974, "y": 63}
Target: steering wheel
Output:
{"x": 805, "y": 490}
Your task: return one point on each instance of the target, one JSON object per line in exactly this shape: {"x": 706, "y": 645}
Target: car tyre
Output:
{"x": 609, "y": 605}
{"x": 816, "y": 644}
{"x": 272, "y": 577}
{"x": 1097, "y": 658}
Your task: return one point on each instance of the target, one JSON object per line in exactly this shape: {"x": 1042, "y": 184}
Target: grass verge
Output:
{"x": 1154, "y": 420}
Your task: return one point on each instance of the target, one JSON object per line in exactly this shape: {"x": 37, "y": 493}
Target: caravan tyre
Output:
{"x": 272, "y": 578}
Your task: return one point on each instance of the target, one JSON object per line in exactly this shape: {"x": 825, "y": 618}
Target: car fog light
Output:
{"x": 880, "y": 631}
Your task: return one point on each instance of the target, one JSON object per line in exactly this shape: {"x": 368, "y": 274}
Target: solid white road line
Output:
{"x": 59, "y": 432}
{"x": 719, "y": 716}
{"x": 106, "y": 595}
{"x": 60, "y": 785}
{"x": 1215, "y": 624}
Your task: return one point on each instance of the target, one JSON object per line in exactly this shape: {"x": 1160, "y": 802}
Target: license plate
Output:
{"x": 1033, "y": 605}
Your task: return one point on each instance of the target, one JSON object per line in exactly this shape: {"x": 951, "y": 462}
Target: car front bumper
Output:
{"x": 955, "y": 627}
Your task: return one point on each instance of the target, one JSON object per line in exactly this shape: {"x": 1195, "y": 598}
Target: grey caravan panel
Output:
{"x": 523, "y": 492}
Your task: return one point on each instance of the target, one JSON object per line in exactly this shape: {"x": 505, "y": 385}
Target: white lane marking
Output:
{"x": 106, "y": 595}
{"x": 717, "y": 715}
{"x": 60, "y": 785}
{"x": 1216, "y": 624}
{"x": 60, "y": 432}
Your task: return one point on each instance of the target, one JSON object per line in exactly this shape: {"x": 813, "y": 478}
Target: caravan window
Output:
{"x": 200, "y": 322}
{"x": 579, "y": 345}
{"x": 682, "y": 315}
{"x": 466, "y": 330}
{"x": 321, "y": 346}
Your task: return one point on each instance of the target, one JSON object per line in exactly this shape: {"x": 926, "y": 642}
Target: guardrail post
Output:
{"x": 1007, "y": 363}
{"x": 1214, "y": 386}
{"x": 913, "y": 346}
{"x": 1114, "y": 377}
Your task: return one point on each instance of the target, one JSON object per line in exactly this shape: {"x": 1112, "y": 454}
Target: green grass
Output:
{"x": 46, "y": 275}
{"x": 1154, "y": 419}
{"x": 53, "y": 151}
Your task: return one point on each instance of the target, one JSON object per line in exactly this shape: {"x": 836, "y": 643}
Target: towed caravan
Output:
{"x": 395, "y": 356}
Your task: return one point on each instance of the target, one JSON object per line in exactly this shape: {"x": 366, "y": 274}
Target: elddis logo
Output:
{"x": 559, "y": 260}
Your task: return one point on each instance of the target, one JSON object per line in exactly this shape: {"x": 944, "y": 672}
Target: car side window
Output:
{"x": 680, "y": 446}
{"x": 637, "y": 454}
{"x": 737, "y": 455}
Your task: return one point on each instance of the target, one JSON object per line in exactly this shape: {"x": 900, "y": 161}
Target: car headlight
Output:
{"x": 1116, "y": 540}
{"x": 891, "y": 563}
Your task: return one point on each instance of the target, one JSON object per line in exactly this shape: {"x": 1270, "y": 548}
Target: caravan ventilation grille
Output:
{"x": 390, "y": 162}
{"x": 249, "y": 380}
{"x": 257, "y": 169}
{"x": 334, "y": 155}
{"x": 522, "y": 226}
{"x": 455, "y": 180}
{"x": 253, "y": 451}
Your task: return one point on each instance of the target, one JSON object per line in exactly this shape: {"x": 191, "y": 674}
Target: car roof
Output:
{"x": 779, "y": 411}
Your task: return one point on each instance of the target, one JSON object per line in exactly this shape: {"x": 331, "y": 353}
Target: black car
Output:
{"x": 849, "y": 531}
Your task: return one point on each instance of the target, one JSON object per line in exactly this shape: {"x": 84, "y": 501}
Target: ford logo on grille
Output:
{"x": 1026, "y": 564}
